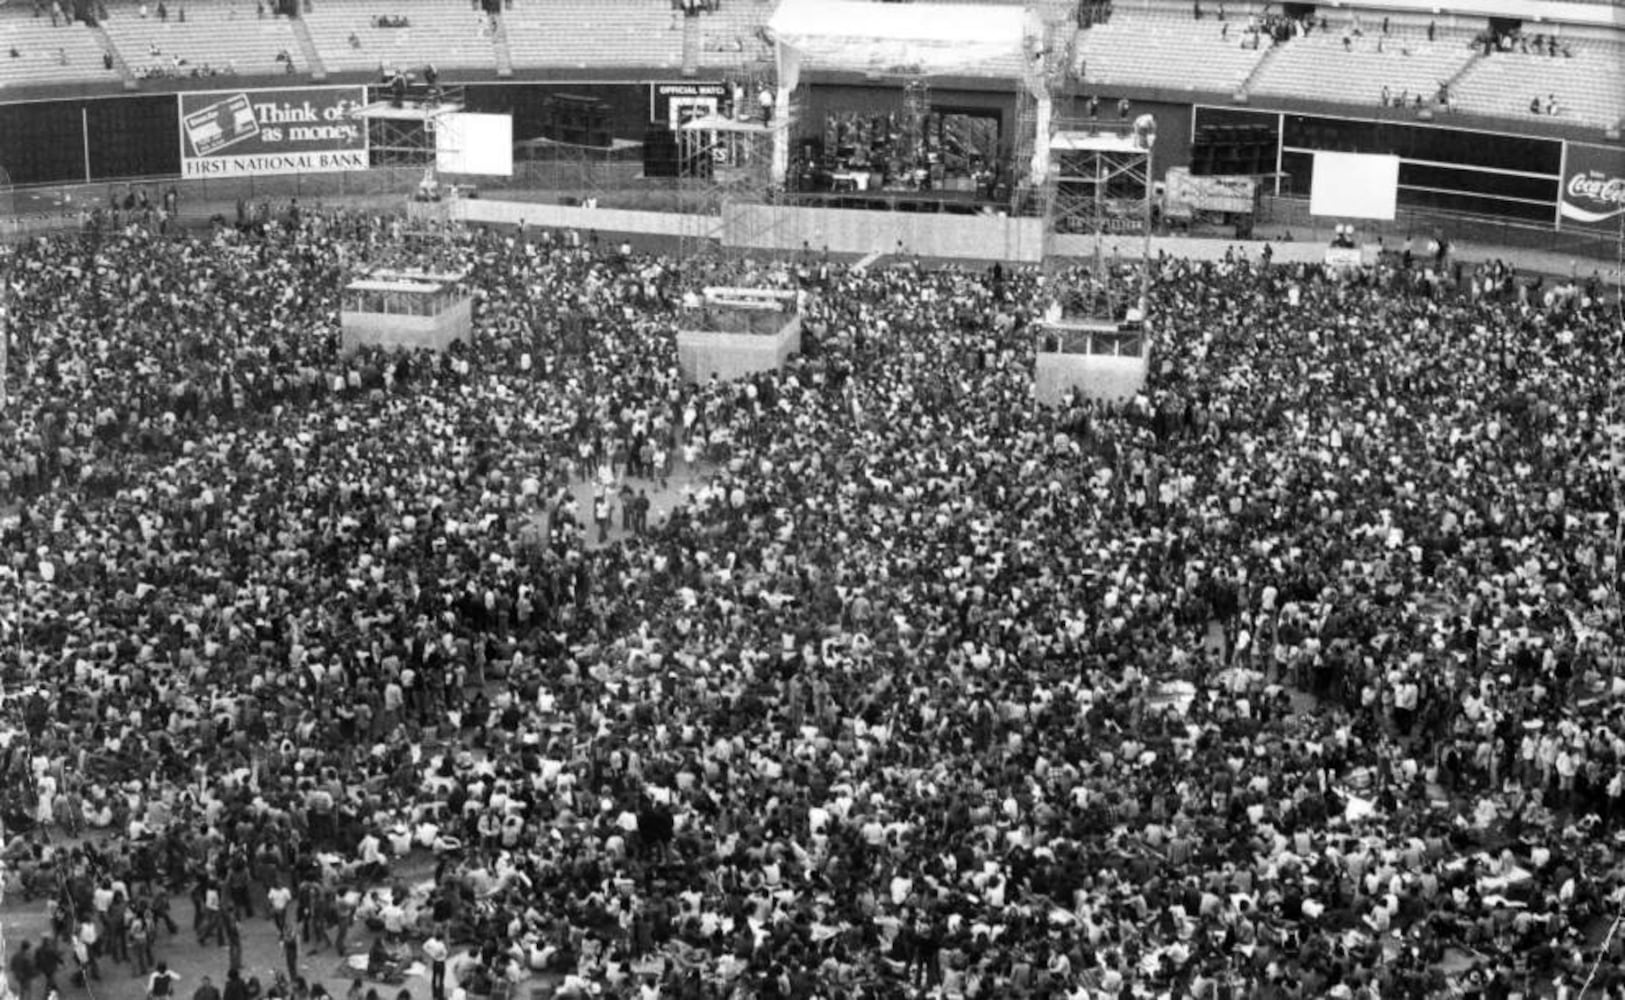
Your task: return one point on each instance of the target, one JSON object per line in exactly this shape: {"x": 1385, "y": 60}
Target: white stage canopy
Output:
{"x": 912, "y": 39}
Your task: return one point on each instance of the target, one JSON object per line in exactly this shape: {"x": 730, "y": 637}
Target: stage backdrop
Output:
{"x": 296, "y": 130}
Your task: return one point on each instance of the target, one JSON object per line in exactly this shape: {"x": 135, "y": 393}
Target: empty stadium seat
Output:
{"x": 1162, "y": 48}
{"x": 70, "y": 53}
{"x": 732, "y": 34}
{"x": 447, "y": 33}
{"x": 1404, "y": 62}
{"x": 581, "y": 33}
{"x": 1590, "y": 88}
{"x": 224, "y": 37}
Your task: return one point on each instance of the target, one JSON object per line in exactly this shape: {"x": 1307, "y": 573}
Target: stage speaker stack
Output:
{"x": 578, "y": 121}
{"x": 659, "y": 152}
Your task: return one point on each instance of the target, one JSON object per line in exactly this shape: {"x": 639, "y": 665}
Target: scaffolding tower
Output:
{"x": 1092, "y": 183}
{"x": 1086, "y": 179}
{"x": 410, "y": 131}
{"x": 1098, "y": 186}
{"x": 911, "y": 140}
{"x": 1046, "y": 84}
{"x": 726, "y": 184}
{"x": 403, "y": 131}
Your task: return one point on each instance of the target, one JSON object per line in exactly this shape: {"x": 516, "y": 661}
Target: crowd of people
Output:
{"x": 1295, "y": 676}
{"x": 1490, "y": 41}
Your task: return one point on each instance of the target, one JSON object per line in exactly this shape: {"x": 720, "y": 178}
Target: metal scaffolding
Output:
{"x": 1093, "y": 183}
{"x": 1046, "y": 84}
{"x": 911, "y": 141}
{"x": 580, "y": 174}
{"x": 411, "y": 130}
{"x": 726, "y": 171}
{"x": 404, "y": 131}
{"x": 1099, "y": 185}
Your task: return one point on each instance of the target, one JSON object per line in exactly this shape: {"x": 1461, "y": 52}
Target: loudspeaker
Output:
{"x": 659, "y": 152}
{"x": 579, "y": 121}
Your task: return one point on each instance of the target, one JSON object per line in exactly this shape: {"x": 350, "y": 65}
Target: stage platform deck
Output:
{"x": 407, "y": 112}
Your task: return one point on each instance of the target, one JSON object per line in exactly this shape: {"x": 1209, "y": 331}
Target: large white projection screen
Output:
{"x": 474, "y": 144}
{"x": 1354, "y": 186}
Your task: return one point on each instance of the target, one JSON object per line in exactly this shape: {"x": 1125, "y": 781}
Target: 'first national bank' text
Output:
{"x": 274, "y": 163}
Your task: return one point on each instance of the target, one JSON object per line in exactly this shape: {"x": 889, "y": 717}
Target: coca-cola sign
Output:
{"x": 1593, "y": 185}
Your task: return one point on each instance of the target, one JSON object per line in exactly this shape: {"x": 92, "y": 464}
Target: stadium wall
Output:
{"x": 118, "y": 137}
{"x": 85, "y": 140}
{"x": 1503, "y": 175}
{"x": 1443, "y": 168}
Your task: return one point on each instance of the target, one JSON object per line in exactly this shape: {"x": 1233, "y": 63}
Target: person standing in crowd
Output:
{"x": 290, "y": 952}
{"x": 23, "y": 971}
{"x": 161, "y": 983}
{"x": 436, "y": 952}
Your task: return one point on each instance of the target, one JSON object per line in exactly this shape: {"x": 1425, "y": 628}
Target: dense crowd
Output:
{"x": 1294, "y": 677}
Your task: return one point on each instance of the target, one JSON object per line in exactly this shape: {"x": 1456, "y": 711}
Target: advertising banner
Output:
{"x": 672, "y": 104}
{"x": 294, "y": 130}
{"x": 1189, "y": 193}
{"x": 1593, "y": 190}
{"x": 1344, "y": 257}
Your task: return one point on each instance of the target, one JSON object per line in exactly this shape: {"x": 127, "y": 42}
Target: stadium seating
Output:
{"x": 582, "y": 33}
{"x": 226, "y": 37}
{"x": 733, "y": 33}
{"x": 68, "y": 54}
{"x": 1404, "y": 62}
{"x": 1165, "y": 48}
{"x": 447, "y": 33}
{"x": 1590, "y": 87}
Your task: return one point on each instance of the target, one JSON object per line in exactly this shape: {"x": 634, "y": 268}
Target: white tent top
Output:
{"x": 925, "y": 39}
{"x": 1098, "y": 142}
{"x": 718, "y": 123}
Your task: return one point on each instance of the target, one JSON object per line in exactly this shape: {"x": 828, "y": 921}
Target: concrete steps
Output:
{"x": 307, "y": 48}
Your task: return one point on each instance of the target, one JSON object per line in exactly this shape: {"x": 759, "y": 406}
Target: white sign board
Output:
{"x": 1354, "y": 186}
{"x": 474, "y": 144}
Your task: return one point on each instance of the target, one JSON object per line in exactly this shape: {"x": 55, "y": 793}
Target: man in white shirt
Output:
{"x": 371, "y": 855}
{"x": 436, "y": 952}
{"x": 279, "y": 897}
{"x": 211, "y": 927}
{"x": 86, "y": 948}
